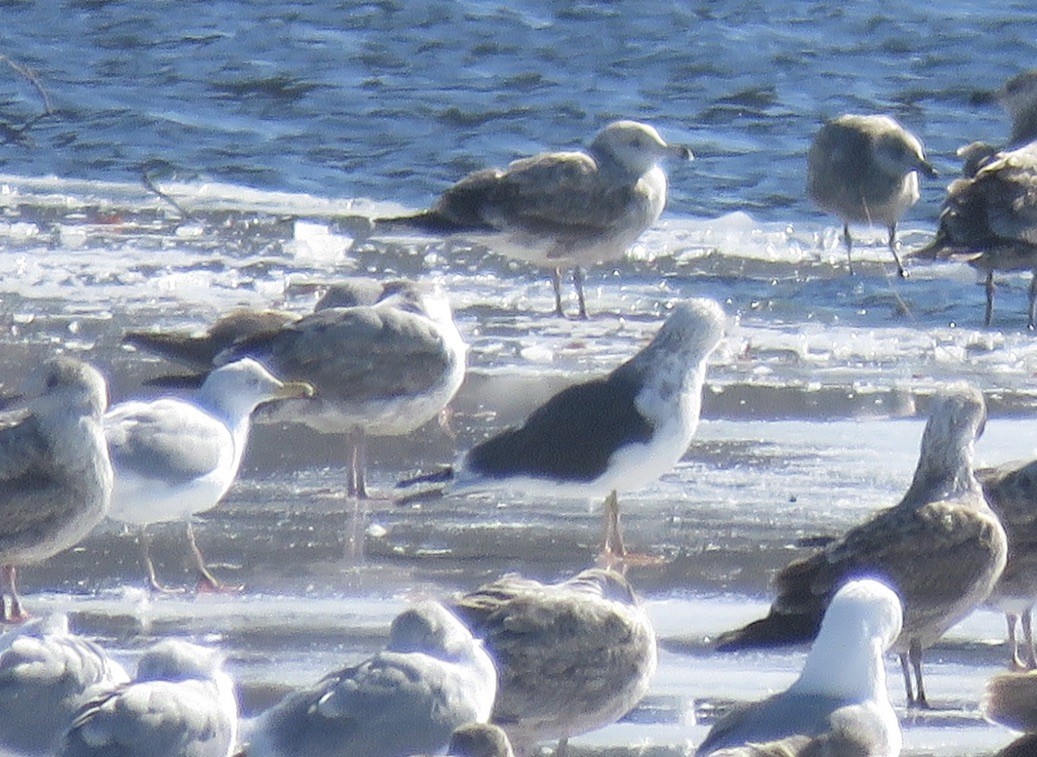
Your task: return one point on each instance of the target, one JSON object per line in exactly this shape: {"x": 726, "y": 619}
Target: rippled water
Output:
{"x": 277, "y": 118}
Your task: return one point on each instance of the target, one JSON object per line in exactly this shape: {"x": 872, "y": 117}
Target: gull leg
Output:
{"x": 915, "y": 653}
{"x": 360, "y": 463}
{"x": 17, "y": 613}
{"x": 848, "y": 241}
{"x": 578, "y": 283}
{"x": 562, "y": 750}
{"x": 144, "y": 540}
{"x": 1013, "y": 642}
{"x": 206, "y": 580}
{"x": 1031, "y": 312}
{"x": 893, "y": 248}
{"x": 904, "y": 667}
{"x": 556, "y": 282}
{"x": 612, "y": 544}
{"x": 1031, "y": 657}
{"x": 989, "y": 314}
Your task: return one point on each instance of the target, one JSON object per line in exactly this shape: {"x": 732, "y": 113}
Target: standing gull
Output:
{"x": 839, "y": 703}
{"x": 378, "y": 370}
{"x": 559, "y": 209}
{"x": 865, "y": 169}
{"x": 1011, "y": 490}
{"x": 618, "y": 432}
{"x": 941, "y": 548}
{"x": 989, "y": 217}
{"x": 46, "y": 675}
{"x": 181, "y": 704}
{"x": 55, "y": 474}
{"x": 432, "y": 677}
{"x": 573, "y": 657}
{"x": 174, "y": 458}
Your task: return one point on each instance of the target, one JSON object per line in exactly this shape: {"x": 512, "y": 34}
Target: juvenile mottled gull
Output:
{"x": 573, "y": 657}
{"x": 865, "y": 169}
{"x": 618, "y": 432}
{"x": 176, "y": 457}
{"x": 181, "y": 704}
{"x": 941, "y": 548}
{"x": 432, "y": 677}
{"x": 839, "y": 701}
{"x": 379, "y": 370}
{"x": 55, "y": 474}
{"x": 479, "y": 740}
{"x": 1011, "y": 491}
{"x": 1011, "y": 700}
{"x": 46, "y": 675}
{"x": 989, "y": 217}
{"x": 559, "y": 209}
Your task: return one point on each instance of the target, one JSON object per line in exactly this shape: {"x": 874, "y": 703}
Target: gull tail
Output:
{"x": 442, "y": 476}
{"x": 194, "y": 351}
{"x": 777, "y": 629}
{"x": 426, "y": 222}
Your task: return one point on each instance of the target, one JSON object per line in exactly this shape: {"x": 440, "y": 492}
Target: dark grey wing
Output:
{"x": 571, "y": 436}
{"x": 778, "y": 717}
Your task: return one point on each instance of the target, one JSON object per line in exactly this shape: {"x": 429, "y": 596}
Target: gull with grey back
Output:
{"x": 558, "y": 209}
{"x": 941, "y": 548}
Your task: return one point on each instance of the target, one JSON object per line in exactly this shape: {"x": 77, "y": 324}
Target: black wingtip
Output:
{"x": 775, "y": 630}
{"x": 441, "y": 476}
{"x": 180, "y": 381}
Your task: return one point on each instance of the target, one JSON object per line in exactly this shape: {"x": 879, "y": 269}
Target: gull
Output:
{"x": 479, "y": 740}
{"x": 55, "y": 474}
{"x": 1011, "y": 491}
{"x": 622, "y": 431}
{"x": 865, "y": 169}
{"x": 839, "y": 704}
{"x": 432, "y": 677}
{"x": 989, "y": 217}
{"x": 573, "y": 657}
{"x": 180, "y": 704}
{"x": 1011, "y": 700}
{"x": 941, "y": 548}
{"x": 559, "y": 209}
{"x": 174, "y": 457}
{"x": 46, "y": 675}
{"x": 378, "y": 370}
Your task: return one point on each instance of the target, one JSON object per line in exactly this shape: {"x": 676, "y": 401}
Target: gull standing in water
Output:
{"x": 941, "y": 548}
{"x": 559, "y": 209}
{"x": 839, "y": 704}
{"x": 181, "y": 704}
{"x": 573, "y": 657}
{"x": 432, "y": 677}
{"x": 618, "y": 432}
{"x": 46, "y": 675}
{"x": 378, "y": 370}
{"x": 174, "y": 458}
{"x": 865, "y": 169}
{"x": 55, "y": 474}
{"x": 989, "y": 218}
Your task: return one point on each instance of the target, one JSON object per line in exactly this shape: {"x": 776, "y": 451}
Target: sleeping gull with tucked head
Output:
{"x": 865, "y": 169}
{"x": 176, "y": 457}
{"x": 46, "y": 675}
{"x": 559, "y": 209}
{"x": 55, "y": 473}
{"x": 180, "y": 704}
{"x": 840, "y": 700}
{"x": 432, "y": 677}
{"x": 614, "y": 433}
{"x": 941, "y": 548}
{"x": 573, "y": 657}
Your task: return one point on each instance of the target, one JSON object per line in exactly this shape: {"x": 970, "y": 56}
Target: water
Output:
{"x": 274, "y": 118}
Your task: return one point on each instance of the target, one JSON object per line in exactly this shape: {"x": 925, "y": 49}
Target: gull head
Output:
{"x": 864, "y": 608}
{"x": 897, "y": 151}
{"x": 431, "y": 629}
{"x": 242, "y": 386}
{"x": 64, "y": 383}
{"x": 1018, "y": 96}
{"x": 425, "y": 298}
{"x": 693, "y": 330}
{"x": 178, "y": 660}
{"x": 635, "y": 147}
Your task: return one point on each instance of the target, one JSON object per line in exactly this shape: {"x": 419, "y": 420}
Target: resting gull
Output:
{"x": 622, "y": 431}
{"x": 181, "y": 704}
{"x": 1011, "y": 491}
{"x": 839, "y": 704}
{"x": 573, "y": 657}
{"x": 46, "y": 675}
{"x": 479, "y": 740}
{"x": 432, "y": 677}
{"x": 559, "y": 209}
{"x": 175, "y": 457}
{"x": 865, "y": 169}
{"x": 55, "y": 474}
{"x": 941, "y": 548}
{"x": 989, "y": 217}
{"x": 378, "y": 370}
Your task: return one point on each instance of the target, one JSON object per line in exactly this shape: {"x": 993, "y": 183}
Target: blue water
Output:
{"x": 394, "y": 100}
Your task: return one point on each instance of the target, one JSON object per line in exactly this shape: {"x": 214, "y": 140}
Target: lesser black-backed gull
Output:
{"x": 176, "y": 457}
{"x": 941, "y": 548}
{"x": 840, "y": 700}
{"x": 559, "y": 209}
{"x": 865, "y": 169}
